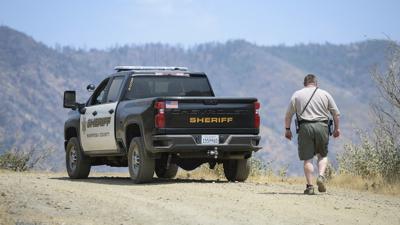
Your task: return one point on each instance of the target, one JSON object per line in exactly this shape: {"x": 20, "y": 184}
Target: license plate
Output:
{"x": 209, "y": 139}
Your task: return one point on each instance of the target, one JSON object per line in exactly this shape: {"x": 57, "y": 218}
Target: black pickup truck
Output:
{"x": 156, "y": 119}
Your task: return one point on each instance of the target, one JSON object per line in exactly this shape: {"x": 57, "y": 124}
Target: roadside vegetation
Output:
{"x": 24, "y": 159}
{"x": 377, "y": 155}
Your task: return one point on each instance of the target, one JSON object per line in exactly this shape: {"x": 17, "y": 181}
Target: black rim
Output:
{"x": 72, "y": 158}
{"x": 135, "y": 160}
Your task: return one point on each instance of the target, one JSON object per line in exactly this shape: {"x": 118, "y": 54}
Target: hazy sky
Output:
{"x": 101, "y": 23}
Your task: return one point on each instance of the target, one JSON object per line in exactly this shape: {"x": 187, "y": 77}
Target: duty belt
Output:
{"x": 313, "y": 121}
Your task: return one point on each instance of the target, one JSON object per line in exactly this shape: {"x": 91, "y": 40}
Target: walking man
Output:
{"x": 313, "y": 107}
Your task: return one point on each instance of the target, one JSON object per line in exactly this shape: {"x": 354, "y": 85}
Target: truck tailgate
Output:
{"x": 210, "y": 115}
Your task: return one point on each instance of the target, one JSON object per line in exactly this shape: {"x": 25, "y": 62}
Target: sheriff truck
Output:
{"x": 157, "y": 119}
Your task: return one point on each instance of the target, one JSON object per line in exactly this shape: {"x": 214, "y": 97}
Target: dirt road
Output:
{"x": 40, "y": 198}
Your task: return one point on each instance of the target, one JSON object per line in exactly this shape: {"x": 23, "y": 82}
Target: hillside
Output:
{"x": 34, "y": 77}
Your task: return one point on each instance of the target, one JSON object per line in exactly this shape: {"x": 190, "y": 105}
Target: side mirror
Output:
{"x": 70, "y": 99}
{"x": 91, "y": 87}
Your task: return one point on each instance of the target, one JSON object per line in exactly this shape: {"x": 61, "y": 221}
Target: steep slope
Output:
{"x": 33, "y": 80}
{"x": 344, "y": 65}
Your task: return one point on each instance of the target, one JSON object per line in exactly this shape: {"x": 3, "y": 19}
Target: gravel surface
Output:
{"x": 49, "y": 198}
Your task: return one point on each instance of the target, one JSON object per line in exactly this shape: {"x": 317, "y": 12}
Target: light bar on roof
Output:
{"x": 126, "y": 68}
{"x": 172, "y": 74}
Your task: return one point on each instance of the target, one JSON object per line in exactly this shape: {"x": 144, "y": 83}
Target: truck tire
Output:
{"x": 78, "y": 165}
{"x": 169, "y": 173}
{"x": 141, "y": 167}
{"x": 237, "y": 170}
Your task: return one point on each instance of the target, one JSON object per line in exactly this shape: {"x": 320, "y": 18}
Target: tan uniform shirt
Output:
{"x": 321, "y": 105}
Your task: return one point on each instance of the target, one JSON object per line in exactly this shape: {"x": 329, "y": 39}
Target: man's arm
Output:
{"x": 288, "y": 121}
{"x": 288, "y": 118}
{"x": 336, "y": 132}
{"x": 334, "y": 110}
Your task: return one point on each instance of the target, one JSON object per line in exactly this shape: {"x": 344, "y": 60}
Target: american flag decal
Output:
{"x": 171, "y": 104}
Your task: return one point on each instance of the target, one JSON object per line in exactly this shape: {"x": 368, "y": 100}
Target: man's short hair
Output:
{"x": 310, "y": 79}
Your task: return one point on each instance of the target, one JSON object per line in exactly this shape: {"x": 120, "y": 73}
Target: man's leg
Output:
{"x": 322, "y": 164}
{"x": 308, "y": 171}
{"x": 321, "y": 142}
{"x": 306, "y": 153}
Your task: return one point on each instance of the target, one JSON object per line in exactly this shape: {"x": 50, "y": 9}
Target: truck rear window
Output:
{"x": 160, "y": 86}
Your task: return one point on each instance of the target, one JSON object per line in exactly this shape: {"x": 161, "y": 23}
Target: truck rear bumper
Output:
{"x": 192, "y": 143}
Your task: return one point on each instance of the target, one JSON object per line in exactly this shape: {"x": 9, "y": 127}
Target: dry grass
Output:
{"x": 261, "y": 177}
{"x": 376, "y": 185}
{"x": 349, "y": 182}
{"x": 203, "y": 172}
{"x": 341, "y": 181}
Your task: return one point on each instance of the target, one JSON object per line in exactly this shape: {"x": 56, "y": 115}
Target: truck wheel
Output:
{"x": 141, "y": 167}
{"x": 162, "y": 172}
{"x": 78, "y": 165}
{"x": 237, "y": 170}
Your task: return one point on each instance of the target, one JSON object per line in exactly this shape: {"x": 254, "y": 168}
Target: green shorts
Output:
{"x": 313, "y": 139}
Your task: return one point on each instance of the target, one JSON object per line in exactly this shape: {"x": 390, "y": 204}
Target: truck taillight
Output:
{"x": 256, "y": 114}
{"x": 160, "y": 116}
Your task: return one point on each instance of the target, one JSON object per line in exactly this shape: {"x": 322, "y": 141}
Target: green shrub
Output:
{"x": 14, "y": 161}
{"x": 330, "y": 171}
{"x": 378, "y": 155}
{"x": 359, "y": 159}
{"x": 259, "y": 167}
{"x": 23, "y": 160}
